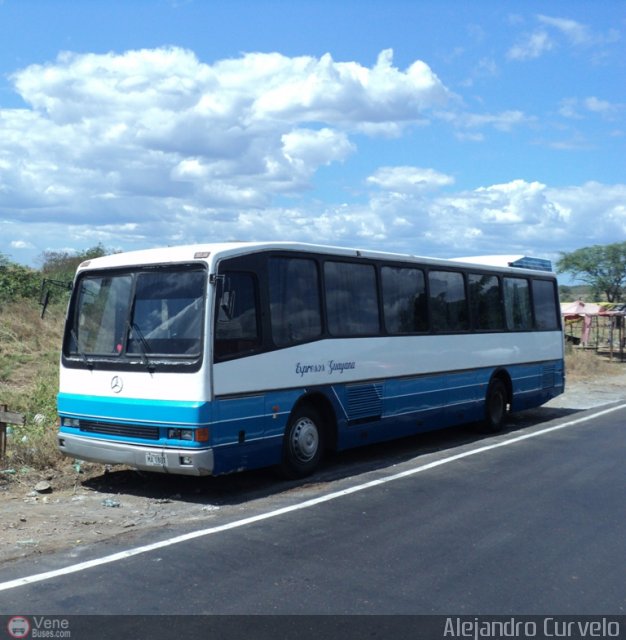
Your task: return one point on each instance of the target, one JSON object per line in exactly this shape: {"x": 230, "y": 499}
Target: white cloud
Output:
{"x": 21, "y": 244}
{"x": 154, "y": 147}
{"x": 569, "y": 108}
{"x": 579, "y": 34}
{"x": 531, "y": 46}
{"x": 467, "y": 123}
{"x": 514, "y": 217}
{"x": 575, "y": 32}
{"x": 305, "y": 149}
{"x": 597, "y": 214}
{"x": 409, "y": 179}
{"x": 504, "y": 121}
{"x": 120, "y": 135}
{"x": 577, "y": 109}
{"x": 598, "y": 106}
{"x": 344, "y": 93}
{"x": 602, "y": 107}
{"x": 498, "y": 218}
{"x": 554, "y": 31}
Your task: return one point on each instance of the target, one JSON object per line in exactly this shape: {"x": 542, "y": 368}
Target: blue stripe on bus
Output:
{"x": 366, "y": 412}
{"x": 173, "y": 413}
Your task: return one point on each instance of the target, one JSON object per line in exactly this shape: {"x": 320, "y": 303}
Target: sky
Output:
{"x": 440, "y": 128}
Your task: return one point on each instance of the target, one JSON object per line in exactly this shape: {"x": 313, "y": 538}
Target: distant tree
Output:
{"x": 565, "y": 293}
{"x": 58, "y": 269}
{"x": 62, "y": 265}
{"x": 602, "y": 267}
{"x": 17, "y": 281}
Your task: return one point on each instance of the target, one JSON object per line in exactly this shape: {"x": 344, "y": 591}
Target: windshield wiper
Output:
{"x": 144, "y": 347}
{"x": 90, "y": 363}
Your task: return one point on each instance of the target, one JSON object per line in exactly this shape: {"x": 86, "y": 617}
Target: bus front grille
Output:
{"x": 124, "y": 430}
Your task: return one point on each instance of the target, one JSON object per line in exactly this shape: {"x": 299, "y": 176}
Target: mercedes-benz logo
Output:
{"x": 117, "y": 384}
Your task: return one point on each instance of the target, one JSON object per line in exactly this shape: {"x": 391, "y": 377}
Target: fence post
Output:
{"x": 7, "y": 417}
{"x": 3, "y": 432}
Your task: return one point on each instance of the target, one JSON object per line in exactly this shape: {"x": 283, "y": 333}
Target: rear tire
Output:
{"x": 303, "y": 443}
{"x": 496, "y": 406}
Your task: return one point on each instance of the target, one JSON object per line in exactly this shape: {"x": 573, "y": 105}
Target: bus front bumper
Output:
{"x": 177, "y": 461}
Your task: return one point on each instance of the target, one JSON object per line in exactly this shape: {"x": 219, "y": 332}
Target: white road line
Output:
{"x": 82, "y": 566}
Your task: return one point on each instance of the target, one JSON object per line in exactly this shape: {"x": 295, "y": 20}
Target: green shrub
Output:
{"x": 29, "y": 364}
{"x": 18, "y": 282}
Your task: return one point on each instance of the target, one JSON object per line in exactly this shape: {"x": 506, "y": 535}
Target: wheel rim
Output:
{"x": 305, "y": 440}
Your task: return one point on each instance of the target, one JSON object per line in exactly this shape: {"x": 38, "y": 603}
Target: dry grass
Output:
{"x": 29, "y": 361}
{"x": 585, "y": 365}
{"x": 29, "y": 346}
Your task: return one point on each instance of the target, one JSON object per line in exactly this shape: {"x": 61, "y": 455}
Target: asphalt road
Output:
{"x": 531, "y": 521}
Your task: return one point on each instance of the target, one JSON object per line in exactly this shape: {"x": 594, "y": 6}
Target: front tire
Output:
{"x": 303, "y": 444}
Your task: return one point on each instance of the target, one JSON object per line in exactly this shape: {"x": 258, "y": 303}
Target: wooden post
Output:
{"x": 7, "y": 417}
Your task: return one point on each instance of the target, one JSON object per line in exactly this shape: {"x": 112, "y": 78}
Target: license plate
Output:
{"x": 156, "y": 459}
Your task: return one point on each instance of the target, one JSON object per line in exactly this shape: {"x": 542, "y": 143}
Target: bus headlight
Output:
{"x": 70, "y": 422}
{"x": 180, "y": 434}
{"x": 190, "y": 435}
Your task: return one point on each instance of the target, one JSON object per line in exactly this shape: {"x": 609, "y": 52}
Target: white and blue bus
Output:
{"x": 210, "y": 359}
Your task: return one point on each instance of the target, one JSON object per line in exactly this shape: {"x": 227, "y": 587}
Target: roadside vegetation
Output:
{"x": 581, "y": 364}
{"x": 29, "y": 352}
{"x": 29, "y": 356}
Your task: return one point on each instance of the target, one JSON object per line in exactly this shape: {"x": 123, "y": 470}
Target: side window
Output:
{"x": 485, "y": 303}
{"x": 517, "y": 304}
{"x": 294, "y": 300}
{"x": 351, "y": 299}
{"x": 237, "y": 317}
{"x": 544, "y": 298}
{"x": 448, "y": 304}
{"x": 404, "y": 300}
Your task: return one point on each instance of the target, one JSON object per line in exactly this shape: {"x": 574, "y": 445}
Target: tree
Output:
{"x": 602, "y": 267}
{"x": 61, "y": 265}
{"x": 17, "y": 281}
{"x": 58, "y": 269}
{"x": 565, "y": 292}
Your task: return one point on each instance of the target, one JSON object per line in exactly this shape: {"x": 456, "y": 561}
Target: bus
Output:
{"x": 215, "y": 358}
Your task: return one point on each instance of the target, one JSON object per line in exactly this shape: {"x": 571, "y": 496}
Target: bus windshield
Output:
{"x": 145, "y": 314}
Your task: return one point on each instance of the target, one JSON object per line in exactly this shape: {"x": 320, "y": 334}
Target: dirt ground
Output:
{"x": 63, "y": 508}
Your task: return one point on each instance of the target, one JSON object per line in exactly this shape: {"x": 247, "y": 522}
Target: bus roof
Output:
{"x": 207, "y": 251}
